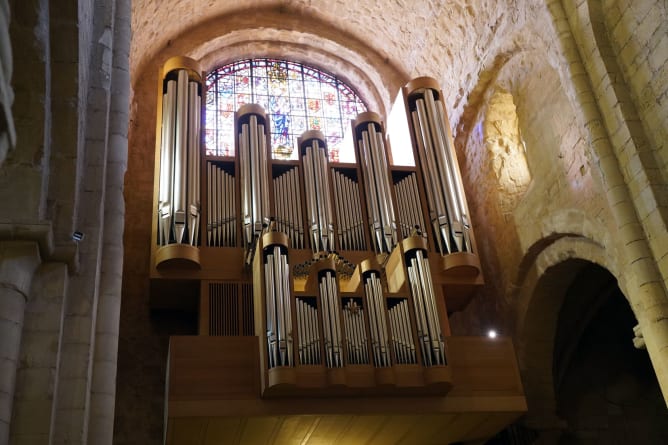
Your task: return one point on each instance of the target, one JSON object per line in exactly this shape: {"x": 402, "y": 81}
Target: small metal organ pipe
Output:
{"x": 252, "y": 133}
{"x": 402, "y": 335}
{"x": 408, "y": 205}
{"x": 307, "y": 326}
{"x": 435, "y": 150}
{"x": 221, "y": 216}
{"x": 315, "y": 164}
{"x": 429, "y": 332}
{"x": 356, "y": 341}
{"x": 288, "y": 207}
{"x": 277, "y": 299}
{"x": 331, "y": 318}
{"x": 350, "y": 227}
{"x": 378, "y": 324}
{"x": 179, "y": 190}
{"x": 370, "y": 143}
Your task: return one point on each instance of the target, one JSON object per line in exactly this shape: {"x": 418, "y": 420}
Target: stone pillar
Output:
{"x": 644, "y": 286}
{"x": 18, "y": 261}
{"x": 36, "y": 376}
{"x": 103, "y": 390}
{"x": 7, "y": 131}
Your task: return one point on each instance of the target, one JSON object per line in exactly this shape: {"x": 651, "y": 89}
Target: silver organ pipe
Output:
{"x": 277, "y": 300}
{"x": 331, "y": 317}
{"x": 435, "y": 150}
{"x": 356, "y": 341}
{"x": 408, "y": 205}
{"x": 287, "y": 198}
{"x": 307, "y": 326}
{"x": 402, "y": 334}
{"x": 430, "y": 336}
{"x": 315, "y": 165}
{"x": 377, "y": 315}
{"x": 370, "y": 143}
{"x": 348, "y": 212}
{"x": 252, "y": 133}
{"x": 221, "y": 217}
{"x": 179, "y": 181}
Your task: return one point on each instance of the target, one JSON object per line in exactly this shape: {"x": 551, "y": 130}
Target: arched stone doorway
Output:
{"x": 605, "y": 389}
{"x": 585, "y": 381}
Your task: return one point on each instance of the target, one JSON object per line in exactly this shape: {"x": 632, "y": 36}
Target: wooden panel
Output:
{"x": 362, "y": 429}
{"x": 483, "y": 365}
{"x": 202, "y": 368}
{"x": 295, "y": 429}
{"x": 223, "y": 430}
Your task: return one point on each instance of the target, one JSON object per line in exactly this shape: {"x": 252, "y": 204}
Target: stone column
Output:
{"x": 18, "y": 261}
{"x": 103, "y": 390}
{"x": 644, "y": 286}
{"x": 36, "y": 376}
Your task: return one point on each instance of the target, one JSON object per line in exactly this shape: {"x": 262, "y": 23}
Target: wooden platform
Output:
{"x": 214, "y": 398}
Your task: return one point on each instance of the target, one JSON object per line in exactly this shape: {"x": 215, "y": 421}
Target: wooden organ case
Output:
{"x": 323, "y": 289}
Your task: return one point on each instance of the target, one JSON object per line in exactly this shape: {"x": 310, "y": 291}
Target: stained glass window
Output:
{"x": 295, "y": 97}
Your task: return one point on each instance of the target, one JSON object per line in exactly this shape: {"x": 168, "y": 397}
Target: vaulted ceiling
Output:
{"x": 375, "y": 45}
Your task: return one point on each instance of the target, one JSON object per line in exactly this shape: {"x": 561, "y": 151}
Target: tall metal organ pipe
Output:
{"x": 278, "y": 299}
{"x": 252, "y": 131}
{"x": 370, "y": 142}
{"x": 373, "y": 291}
{"x": 315, "y": 165}
{"x": 430, "y": 336}
{"x": 331, "y": 313}
{"x": 448, "y": 209}
{"x": 179, "y": 171}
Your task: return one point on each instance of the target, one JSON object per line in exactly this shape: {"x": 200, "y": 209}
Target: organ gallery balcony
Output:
{"x": 214, "y": 396}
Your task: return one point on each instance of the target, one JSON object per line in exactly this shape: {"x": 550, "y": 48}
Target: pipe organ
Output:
{"x": 178, "y": 162}
{"x": 373, "y": 161}
{"x": 319, "y": 281}
{"x": 351, "y": 265}
{"x": 315, "y": 164}
{"x": 252, "y": 133}
{"x": 278, "y": 299}
{"x": 448, "y": 211}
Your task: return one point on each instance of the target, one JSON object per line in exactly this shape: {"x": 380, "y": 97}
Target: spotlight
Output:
{"x": 491, "y": 333}
{"x": 77, "y": 236}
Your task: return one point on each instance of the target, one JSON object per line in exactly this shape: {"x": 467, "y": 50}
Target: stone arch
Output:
{"x": 542, "y": 293}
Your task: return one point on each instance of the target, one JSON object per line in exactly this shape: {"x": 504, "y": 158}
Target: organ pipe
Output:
{"x": 179, "y": 118}
{"x": 377, "y": 319}
{"x": 430, "y": 336}
{"x": 221, "y": 216}
{"x": 252, "y": 131}
{"x": 277, "y": 299}
{"x": 315, "y": 165}
{"x": 370, "y": 143}
{"x": 308, "y": 331}
{"x": 448, "y": 211}
{"x": 331, "y": 313}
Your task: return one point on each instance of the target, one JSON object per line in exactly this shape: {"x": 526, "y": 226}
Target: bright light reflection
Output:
{"x": 491, "y": 333}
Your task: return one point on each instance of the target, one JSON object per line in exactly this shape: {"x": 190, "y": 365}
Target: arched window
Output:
{"x": 295, "y": 97}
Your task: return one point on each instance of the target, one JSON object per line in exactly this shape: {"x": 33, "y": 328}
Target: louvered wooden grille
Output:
{"x": 230, "y": 309}
{"x": 248, "y": 322}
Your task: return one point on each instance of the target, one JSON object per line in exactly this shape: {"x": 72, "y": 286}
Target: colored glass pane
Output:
{"x": 295, "y": 97}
